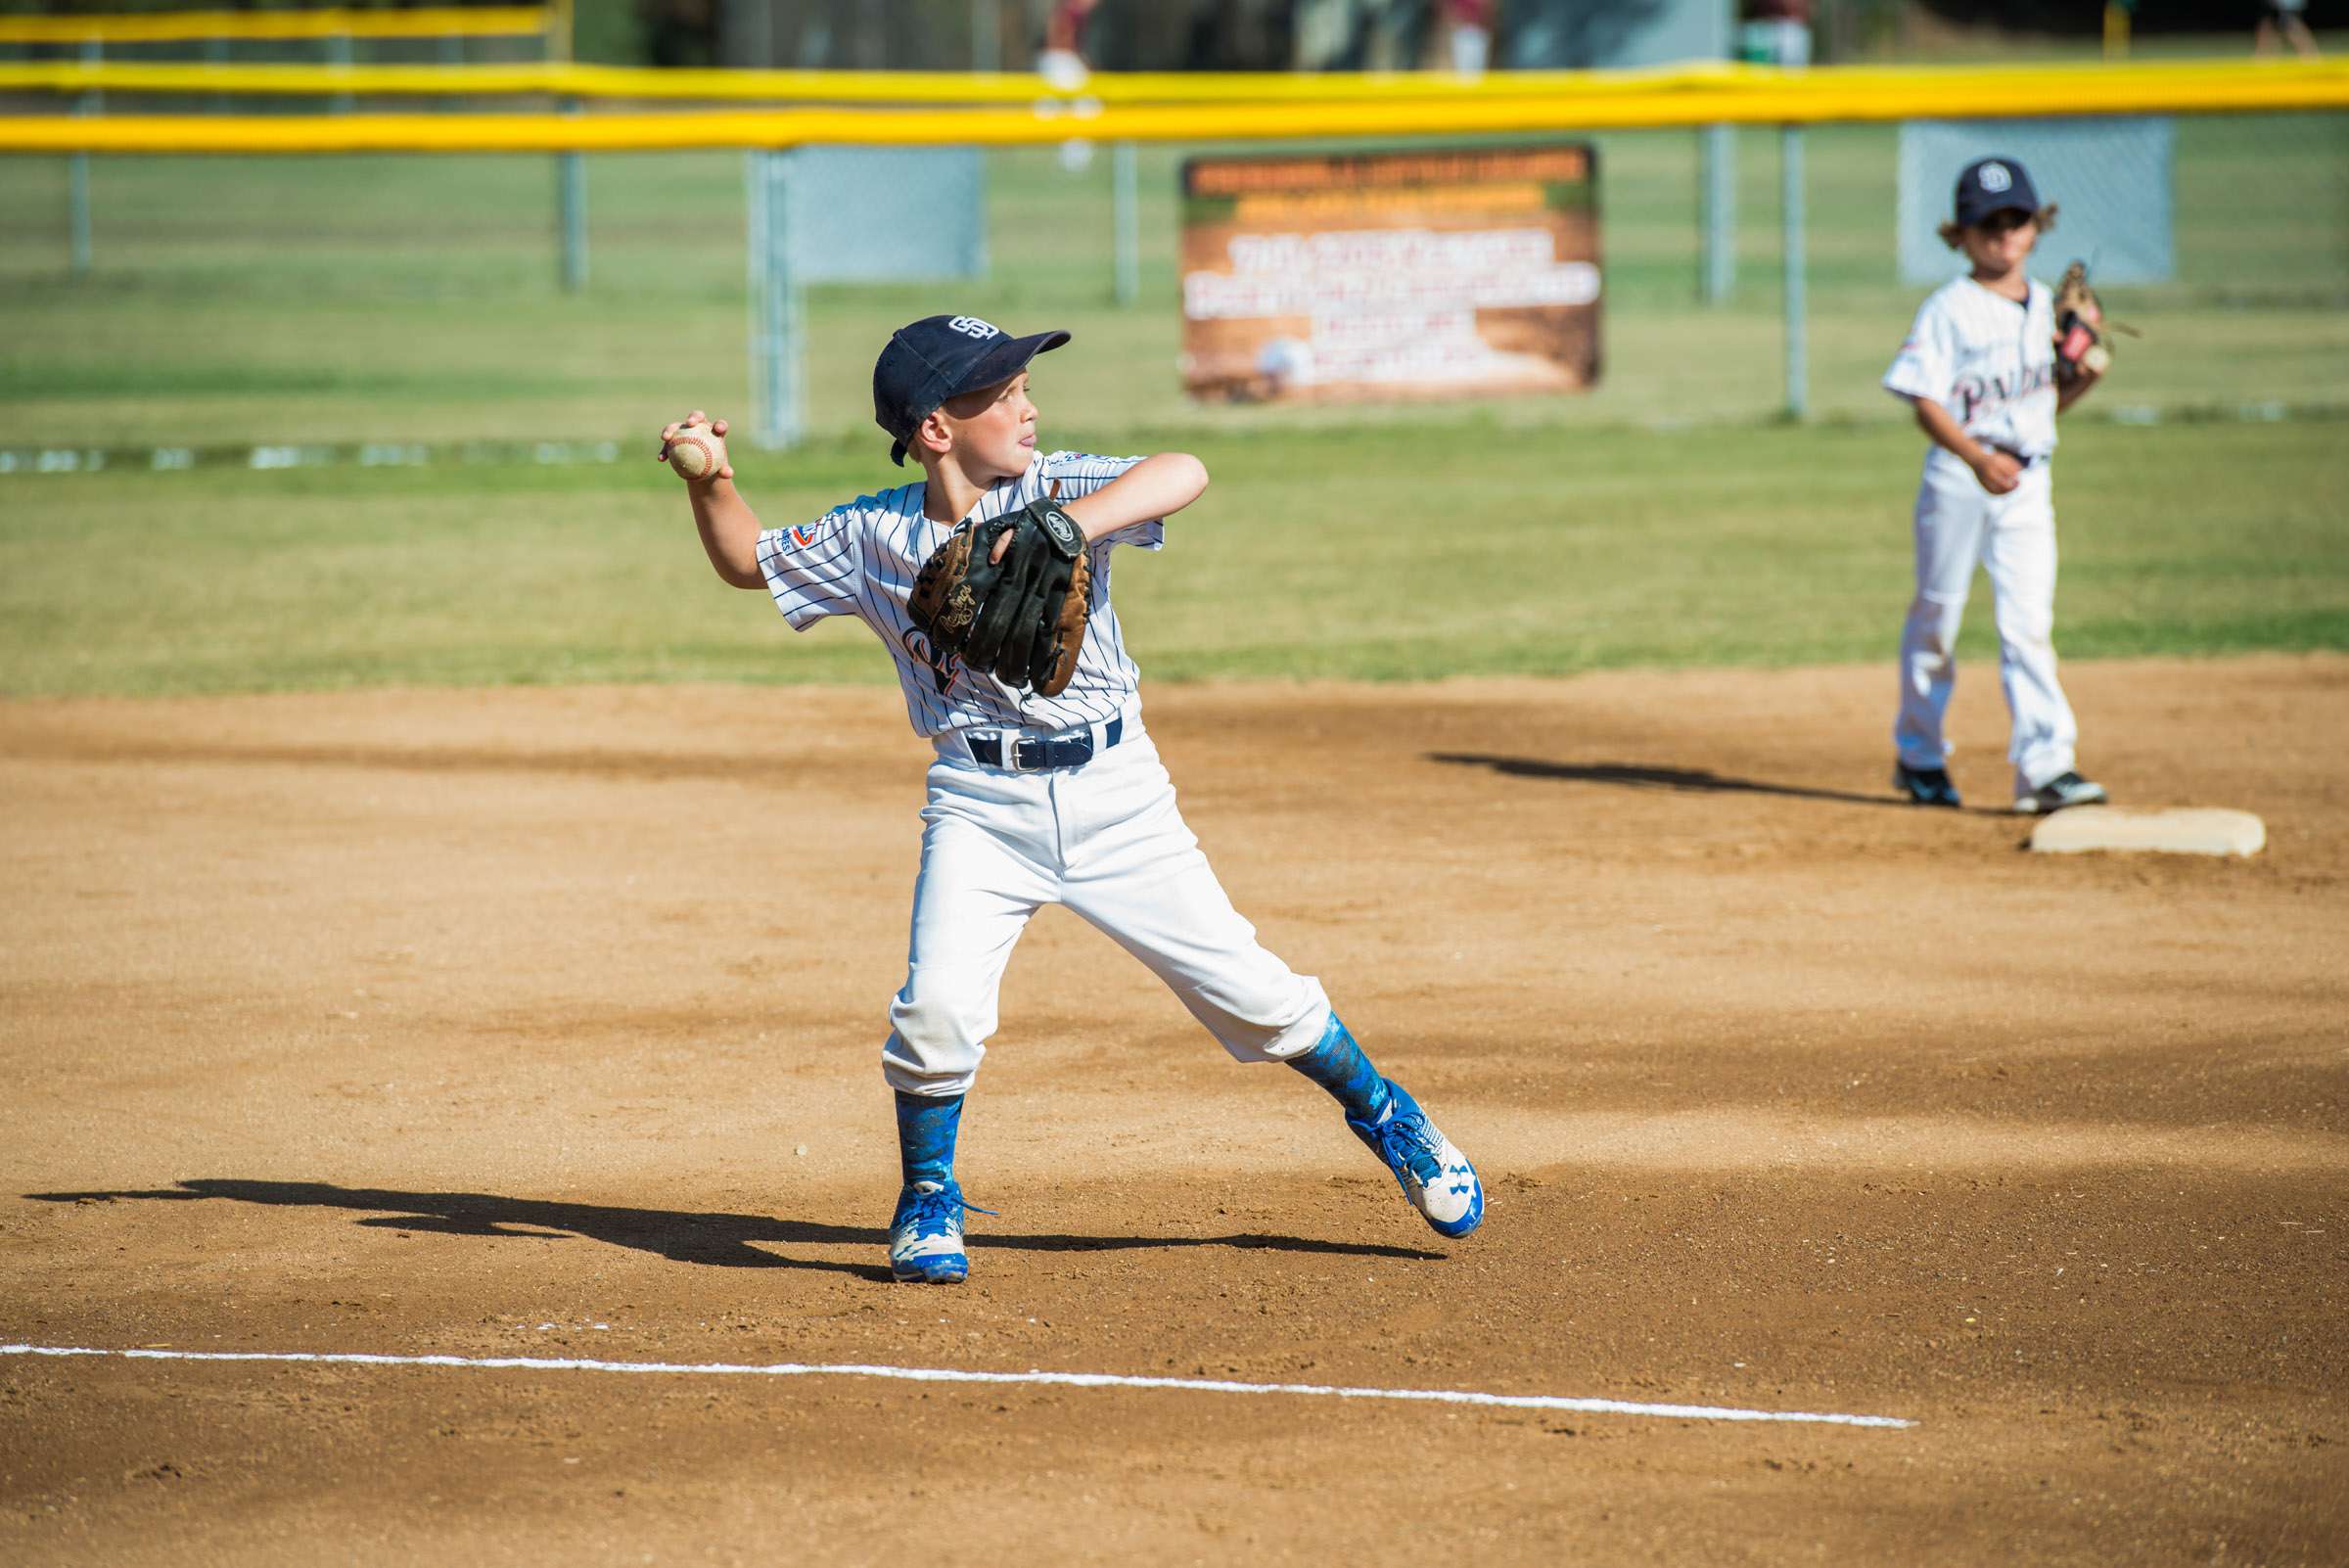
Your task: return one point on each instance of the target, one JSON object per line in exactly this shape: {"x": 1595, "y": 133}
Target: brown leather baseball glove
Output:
{"x": 2082, "y": 347}
{"x": 1022, "y": 617}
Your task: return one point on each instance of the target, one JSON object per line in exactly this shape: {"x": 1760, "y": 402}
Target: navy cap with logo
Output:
{"x": 939, "y": 358}
{"x": 1993, "y": 185}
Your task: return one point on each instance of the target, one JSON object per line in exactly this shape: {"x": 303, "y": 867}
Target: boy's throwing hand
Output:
{"x": 708, "y": 462}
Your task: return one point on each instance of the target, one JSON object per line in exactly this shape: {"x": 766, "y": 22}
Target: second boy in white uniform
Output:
{"x": 1979, "y": 368}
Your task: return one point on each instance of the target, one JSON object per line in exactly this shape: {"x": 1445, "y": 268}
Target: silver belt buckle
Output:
{"x": 1044, "y": 752}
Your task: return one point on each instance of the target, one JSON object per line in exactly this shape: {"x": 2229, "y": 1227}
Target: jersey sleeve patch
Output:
{"x": 811, "y": 567}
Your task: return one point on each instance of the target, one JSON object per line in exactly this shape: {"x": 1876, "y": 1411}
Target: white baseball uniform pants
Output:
{"x": 1104, "y": 839}
{"x": 2012, "y": 536}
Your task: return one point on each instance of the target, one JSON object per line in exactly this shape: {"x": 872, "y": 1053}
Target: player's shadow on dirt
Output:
{"x": 1633, "y": 775}
{"x": 722, "y": 1240}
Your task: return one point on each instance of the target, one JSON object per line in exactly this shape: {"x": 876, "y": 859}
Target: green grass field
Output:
{"x": 1665, "y": 519}
{"x": 1479, "y": 550}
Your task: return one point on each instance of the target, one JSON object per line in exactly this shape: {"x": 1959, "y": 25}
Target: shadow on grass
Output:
{"x": 1633, "y": 775}
{"x": 720, "y": 1240}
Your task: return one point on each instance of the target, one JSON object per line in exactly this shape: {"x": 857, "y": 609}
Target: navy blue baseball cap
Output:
{"x": 939, "y": 358}
{"x": 1990, "y": 185}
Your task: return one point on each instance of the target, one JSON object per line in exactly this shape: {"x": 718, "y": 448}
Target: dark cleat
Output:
{"x": 2064, "y": 789}
{"x": 1925, "y": 786}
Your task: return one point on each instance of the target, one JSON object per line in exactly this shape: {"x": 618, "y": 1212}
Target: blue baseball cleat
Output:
{"x": 1435, "y": 1176}
{"x": 925, "y": 1235}
{"x": 1925, "y": 786}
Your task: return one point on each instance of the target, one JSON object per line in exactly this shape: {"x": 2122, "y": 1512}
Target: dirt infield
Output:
{"x": 546, "y": 1024}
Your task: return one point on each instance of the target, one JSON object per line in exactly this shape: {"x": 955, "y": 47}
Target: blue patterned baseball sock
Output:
{"x": 926, "y": 1128}
{"x": 1338, "y": 1065}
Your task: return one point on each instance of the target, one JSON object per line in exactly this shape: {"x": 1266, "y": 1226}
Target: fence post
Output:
{"x": 1790, "y": 244}
{"x": 774, "y": 306}
{"x": 338, "y": 56}
{"x": 753, "y": 290}
{"x": 78, "y": 179}
{"x": 1718, "y": 181}
{"x": 570, "y": 207}
{"x": 1126, "y": 203}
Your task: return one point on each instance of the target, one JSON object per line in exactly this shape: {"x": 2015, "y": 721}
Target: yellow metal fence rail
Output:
{"x": 1853, "y": 92}
{"x": 186, "y": 26}
{"x": 1393, "y": 105}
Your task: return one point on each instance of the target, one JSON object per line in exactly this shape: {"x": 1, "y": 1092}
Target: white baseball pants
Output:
{"x": 1959, "y": 524}
{"x": 1104, "y": 839}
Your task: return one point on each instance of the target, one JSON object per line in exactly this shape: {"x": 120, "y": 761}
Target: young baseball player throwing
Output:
{"x": 1982, "y": 368}
{"x": 1045, "y": 788}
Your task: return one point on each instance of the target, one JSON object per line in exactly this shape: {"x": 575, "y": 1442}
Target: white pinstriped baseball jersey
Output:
{"x": 861, "y": 558}
{"x": 1988, "y": 360}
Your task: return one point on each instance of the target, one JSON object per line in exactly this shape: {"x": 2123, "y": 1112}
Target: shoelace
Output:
{"x": 933, "y": 1212}
{"x": 1412, "y": 1140}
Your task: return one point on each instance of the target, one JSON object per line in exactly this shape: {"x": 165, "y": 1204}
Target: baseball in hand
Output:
{"x": 697, "y": 452}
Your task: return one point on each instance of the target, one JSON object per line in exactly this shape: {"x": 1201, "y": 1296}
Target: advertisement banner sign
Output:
{"x": 1467, "y": 272}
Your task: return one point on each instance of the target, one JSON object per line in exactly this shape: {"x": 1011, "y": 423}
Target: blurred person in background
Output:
{"x": 2285, "y": 21}
{"x": 1468, "y": 34}
{"x": 1979, "y": 370}
{"x": 1775, "y": 32}
{"x": 1063, "y": 61}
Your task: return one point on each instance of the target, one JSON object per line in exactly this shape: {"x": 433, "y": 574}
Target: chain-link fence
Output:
{"x": 416, "y": 297}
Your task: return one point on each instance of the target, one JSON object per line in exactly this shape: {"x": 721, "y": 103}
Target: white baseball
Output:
{"x": 697, "y": 452}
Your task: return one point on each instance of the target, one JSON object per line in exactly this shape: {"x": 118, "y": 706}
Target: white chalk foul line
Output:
{"x": 942, "y": 1374}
